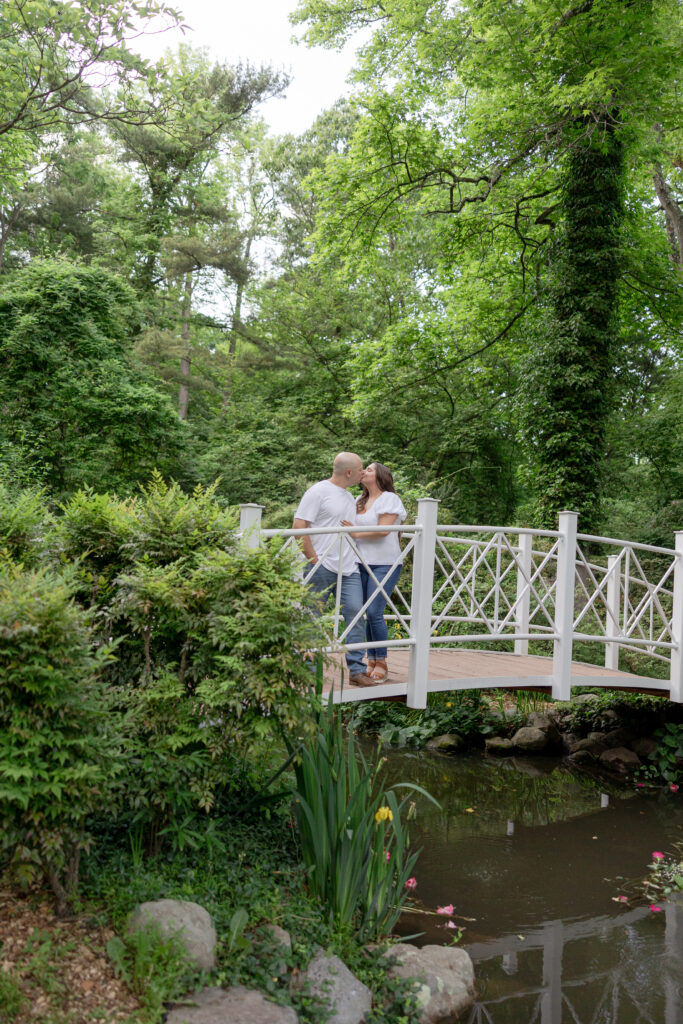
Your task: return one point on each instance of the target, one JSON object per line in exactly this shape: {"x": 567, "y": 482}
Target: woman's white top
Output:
{"x": 381, "y": 550}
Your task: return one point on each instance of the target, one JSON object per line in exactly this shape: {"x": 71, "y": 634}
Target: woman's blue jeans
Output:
{"x": 375, "y": 625}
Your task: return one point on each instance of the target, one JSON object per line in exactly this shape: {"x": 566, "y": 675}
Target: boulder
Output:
{"x": 235, "y": 1005}
{"x": 581, "y": 757}
{"x": 448, "y": 742}
{"x": 445, "y": 978}
{"x": 329, "y": 979}
{"x": 644, "y": 746}
{"x": 592, "y": 746}
{"x": 620, "y": 758}
{"x": 547, "y": 724}
{"x": 499, "y": 746}
{"x": 188, "y": 921}
{"x": 584, "y": 698}
{"x": 598, "y": 737}
{"x": 618, "y": 738}
{"x": 530, "y": 739}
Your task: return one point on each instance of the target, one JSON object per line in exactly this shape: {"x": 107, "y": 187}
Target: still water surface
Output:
{"x": 534, "y": 855}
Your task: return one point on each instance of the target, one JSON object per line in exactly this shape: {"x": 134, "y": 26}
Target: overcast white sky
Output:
{"x": 258, "y": 31}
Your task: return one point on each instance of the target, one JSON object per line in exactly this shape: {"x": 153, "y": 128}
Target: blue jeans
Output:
{"x": 324, "y": 582}
{"x": 376, "y": 627}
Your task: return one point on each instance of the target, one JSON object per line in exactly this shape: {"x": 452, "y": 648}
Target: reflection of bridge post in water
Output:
{"x": 620, "y": 993}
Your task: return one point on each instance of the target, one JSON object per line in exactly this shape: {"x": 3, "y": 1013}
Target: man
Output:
{"x": 326, "y": 504}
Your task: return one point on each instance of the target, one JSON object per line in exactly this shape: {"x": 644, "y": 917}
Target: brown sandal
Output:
{"x": 380, "y": 672}
{"x": 370, "y": 666}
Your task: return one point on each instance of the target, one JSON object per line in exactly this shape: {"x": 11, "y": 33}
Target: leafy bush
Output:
{"x": 466, "y": 713}
{"x": 354, "y": 839}
{"x": 24, "y": 521}
{"x": 667, "y": 758}
{"x": 58, "y": 739}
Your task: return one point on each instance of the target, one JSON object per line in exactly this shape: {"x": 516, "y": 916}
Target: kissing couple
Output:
{"x": 328, "y": 503}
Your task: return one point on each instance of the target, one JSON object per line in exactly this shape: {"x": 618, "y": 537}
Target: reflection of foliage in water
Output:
{"x": 479, "y": 795}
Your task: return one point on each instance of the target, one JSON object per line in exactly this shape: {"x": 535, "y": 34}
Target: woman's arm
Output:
{"x": 386, "y": 519}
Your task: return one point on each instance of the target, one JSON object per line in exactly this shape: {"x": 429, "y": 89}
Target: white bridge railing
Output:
{"x": 511, "y": 587}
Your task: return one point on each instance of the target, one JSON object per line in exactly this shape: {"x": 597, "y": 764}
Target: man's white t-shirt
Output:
{"x": 325, "y": 504}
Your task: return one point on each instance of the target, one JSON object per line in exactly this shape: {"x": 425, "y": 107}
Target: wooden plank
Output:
{"x": 453, "y": 669}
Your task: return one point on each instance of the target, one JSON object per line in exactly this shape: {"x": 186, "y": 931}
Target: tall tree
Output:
{"x": 508, "y": 119}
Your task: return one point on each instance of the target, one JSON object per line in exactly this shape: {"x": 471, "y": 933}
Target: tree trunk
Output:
{"x": 236, "y": 323}
{"x": 673, "y": 215}
{"x": 568, "y": 382}
{"x": 186, "y": 360}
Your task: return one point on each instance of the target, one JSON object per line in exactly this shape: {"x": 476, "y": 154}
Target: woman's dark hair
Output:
{"x": 385, "y": 482}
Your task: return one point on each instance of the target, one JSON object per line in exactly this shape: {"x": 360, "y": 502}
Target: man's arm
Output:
{"x": 306, "y": 542}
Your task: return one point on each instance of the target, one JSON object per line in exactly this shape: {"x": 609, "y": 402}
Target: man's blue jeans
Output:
{"x": 376, "y": 627}
{"x": 324, "y": 582}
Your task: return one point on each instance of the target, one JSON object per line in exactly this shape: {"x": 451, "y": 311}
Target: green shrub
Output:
{"x": 24, "y": 521}
{"x": 667, "y": 758}
{"x": 58, "y": 738}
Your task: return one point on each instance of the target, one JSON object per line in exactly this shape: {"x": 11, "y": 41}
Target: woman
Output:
{"x": 378, "y": 505}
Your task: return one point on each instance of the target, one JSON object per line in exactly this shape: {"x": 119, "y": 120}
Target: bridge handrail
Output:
{"x": 501, "y": 580}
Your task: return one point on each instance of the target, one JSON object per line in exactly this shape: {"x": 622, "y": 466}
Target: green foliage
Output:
{"x": 667, "y": 758}
{"x": 59, "y": 745}
{"x": 24, "y": 521}
{"x": 354, "y": 839}
{"x": 69, "y": 389}
{"x": 154, "y": 968}
{"x": 465, "y": 713}
{"x": 636, "y": 708}
{"x": 12, "y": 998}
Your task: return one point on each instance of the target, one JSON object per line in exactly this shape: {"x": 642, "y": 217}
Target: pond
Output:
{"x": 534, "y": 858}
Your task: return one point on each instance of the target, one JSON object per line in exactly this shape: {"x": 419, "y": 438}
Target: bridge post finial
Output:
{"x": 421, "y": 602}
{"x": 676, "y": 677}
{"x": 564, "y": 606}
{"x": 250, "y": 524}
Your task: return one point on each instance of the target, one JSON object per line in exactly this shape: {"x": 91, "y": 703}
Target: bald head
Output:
{"x": 347, "y": 469}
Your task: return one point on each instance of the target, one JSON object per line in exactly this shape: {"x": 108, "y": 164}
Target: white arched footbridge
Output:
{"x": 506, "y": 607}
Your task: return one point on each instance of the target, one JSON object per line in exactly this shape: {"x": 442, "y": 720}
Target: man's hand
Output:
{"x": 306, "y": 542}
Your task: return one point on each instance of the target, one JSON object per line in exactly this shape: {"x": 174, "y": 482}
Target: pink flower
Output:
{"x": 673, "y": 787}
{"x": 411, "y": 884}
{"x": 448, "y": 909}
{"x": 623, "y": 899}
{"x": 639, "y": 785}
{"x": 388, "y": 855}
{"x": 450, "y": 924}
{"x": 655, "y": 909}
{"x": 657, "y": 855}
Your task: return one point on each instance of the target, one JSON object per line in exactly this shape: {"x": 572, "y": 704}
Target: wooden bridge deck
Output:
{"x": 462, "y": 669}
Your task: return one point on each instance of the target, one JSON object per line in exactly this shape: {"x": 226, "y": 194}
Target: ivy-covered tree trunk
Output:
{"x": 569, "y": 380}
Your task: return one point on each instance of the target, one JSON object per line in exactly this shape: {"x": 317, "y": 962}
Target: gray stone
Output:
{"x": 237, "y": 1005}
{"x": 449, "y": 741}
{"x": 610, "y": 715}
{"x": 598, "y": 737}
{"x": 590, "y": 745}
{"x": 445, "y": 977}
{"x": 581, "y": 757}
{"x": 644, "y": 746}
{"x": 584, "y": 698}
{"x": 280, "y": 936}
{"x": 188, "y": 921}
{"x": 499, "y": 746}
{"x": 530, "y": 739}
{"x": 544, "y": 722}
{"x": 618, "y": 738}
{"x": 328, "y": 978}
{"x": 620, "y": 758}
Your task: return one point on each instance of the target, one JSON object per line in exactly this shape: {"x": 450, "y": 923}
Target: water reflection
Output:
{"x": 533, "y": 857}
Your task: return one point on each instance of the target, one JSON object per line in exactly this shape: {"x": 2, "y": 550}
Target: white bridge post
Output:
{"x": 250, "y": 524}
{"x": 421, "y": 602}
{"x": 676, "y": 678}
{"x": 613, "y": 609}
{"x": 523, "y": 597}
{"x": 564, "y": 606}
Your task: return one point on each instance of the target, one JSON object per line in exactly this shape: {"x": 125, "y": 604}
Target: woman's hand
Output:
{"x": 345, "y": 522}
